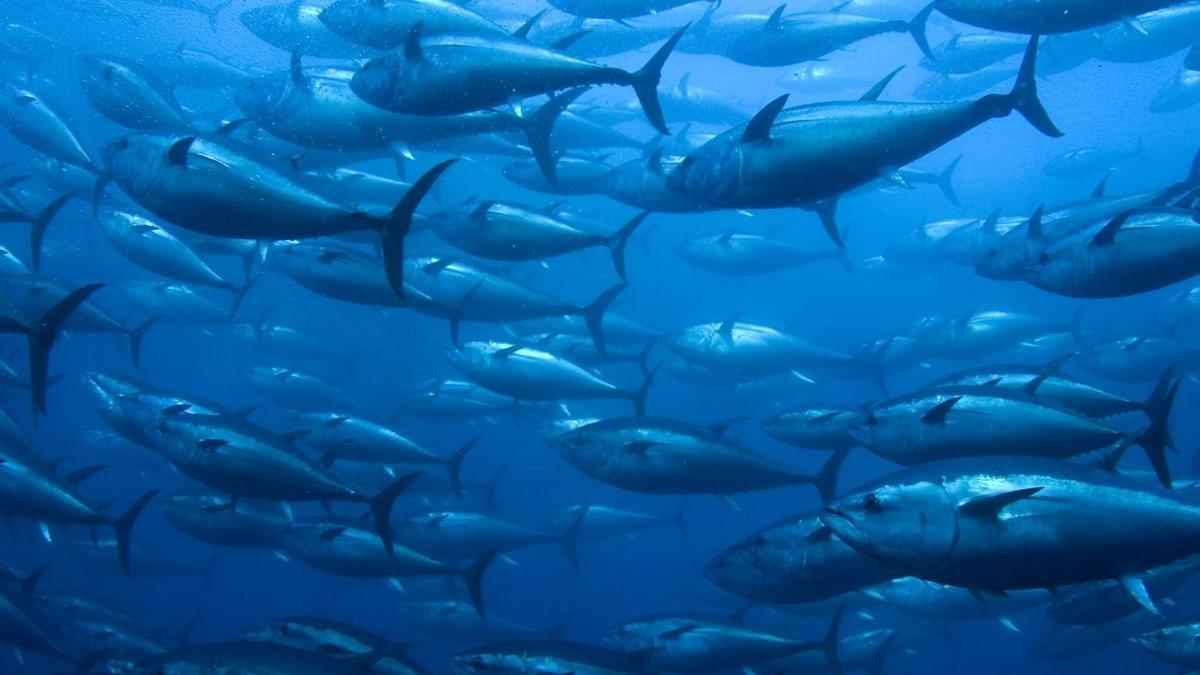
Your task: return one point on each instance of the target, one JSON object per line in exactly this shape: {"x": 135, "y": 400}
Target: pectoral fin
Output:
{"x": 990, "y": 504}
{"x": 1136, "y": 586}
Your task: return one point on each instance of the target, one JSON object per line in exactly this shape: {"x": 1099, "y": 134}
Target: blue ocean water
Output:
{"x": 379, "y": 356}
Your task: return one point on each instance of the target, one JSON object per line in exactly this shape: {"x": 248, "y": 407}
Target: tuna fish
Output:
{"x": 449, "y": 74}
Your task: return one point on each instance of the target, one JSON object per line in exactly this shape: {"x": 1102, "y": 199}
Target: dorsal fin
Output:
{"x": 776, "y": 18}
{"x": 992, "y": 219}
{"x": 412, "y": 44}
{"x": 874, "y": 92}
{"x": 1101, "y": 186}
{"x": 1034, "y": 229}
{"x": 654, "y": 162}
{"x": 723, "y": 426}
{"x": 480, "y": 211}
{"x": 564, "y": 43}
{"x": 1109, "y": 232}
{"x": 522, "y": 32}
{"x": 79, "y": 475}
{"x": 297, "y": 71}
{"x": 683, "y": 83}
{"x": 725, "y": 330}
{"x": 178, "y": 152}
{"x": 759, "y": 128}
{"x": 1049, "y": 370}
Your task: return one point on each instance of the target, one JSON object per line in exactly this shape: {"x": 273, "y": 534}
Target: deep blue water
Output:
{"x": 1099, "y": 104}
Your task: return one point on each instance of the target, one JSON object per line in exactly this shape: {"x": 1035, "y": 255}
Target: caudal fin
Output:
{"x": 826, "y": 479}
{"x": 240, "y": 293}
{"x": 395, "y": 228}
{"x": 593, "y": 315}
{"x": 1024, "y": 95}
{"x": 473, "y": 577}
{"x": 215, "y": 13}
{"x": 42, "y": 335}
{"x": 136, "y": 337}
{"x": 30, "y": 582}
{"x": 1192, "y": 60}
{"x": 638, "y": 396}
{"x": 645, "y": 82}
{"x": 454, "y": 466}
{"x": 1157, "y": 437}
{"x": 208, "y": 573}
{"x": 570, "y": 537}
{"x": 832, "y": 641}
{"x": 618, "y": 241}
{"x": 381, "y": 507}
{"x": 539, "y": 126}
{"x": 916, "y": 28}
{"x": 37, "y": 228}
{"x": 945, "y": 181}
{"x": 679, "y": 520}
{"x": 123, "y": 527}
{"x": 875, "y": 665}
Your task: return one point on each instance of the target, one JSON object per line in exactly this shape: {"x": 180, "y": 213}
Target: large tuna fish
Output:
{"x": 208, "y": 187}
{"x": 449, "y": 74}
{"x": 809, "y": 155}
{"x": 1004, "y": 523}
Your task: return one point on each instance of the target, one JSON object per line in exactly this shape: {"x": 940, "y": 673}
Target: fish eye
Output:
{"x": 872, "y": 504}
{"x": 1044, "y": 258}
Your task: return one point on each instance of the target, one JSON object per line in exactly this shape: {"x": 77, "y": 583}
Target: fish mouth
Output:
{"x": 843, "y": 526}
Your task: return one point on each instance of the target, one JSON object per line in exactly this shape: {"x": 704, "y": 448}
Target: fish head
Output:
{"x": 1007, "y": 259}
{"x": 1178, "y": 642}
{"x": 348, "y": 17}
{"x": 471, "y": 357}
{"x": 471, "y": 662}
{"x": 634, "y": 636}
{"x": 913, "y": 247}
{"x": 911, "y": 525}
{"x": 291, "y": 632}
{"x": 175, "y": 503}
{"x": 582, "y": 448}
{"x": 267, "y": 21}
{"x": 809, "y": 423}
{"x": 759, "y": 565}
{"x": 101, "y": 71}
{"x": 780, "y": 423}
{"x": 710, "y": 173}
{"x": 134, "y": 161}
{"x": 383, "y": 80}
{"x": 263, "y": 98}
